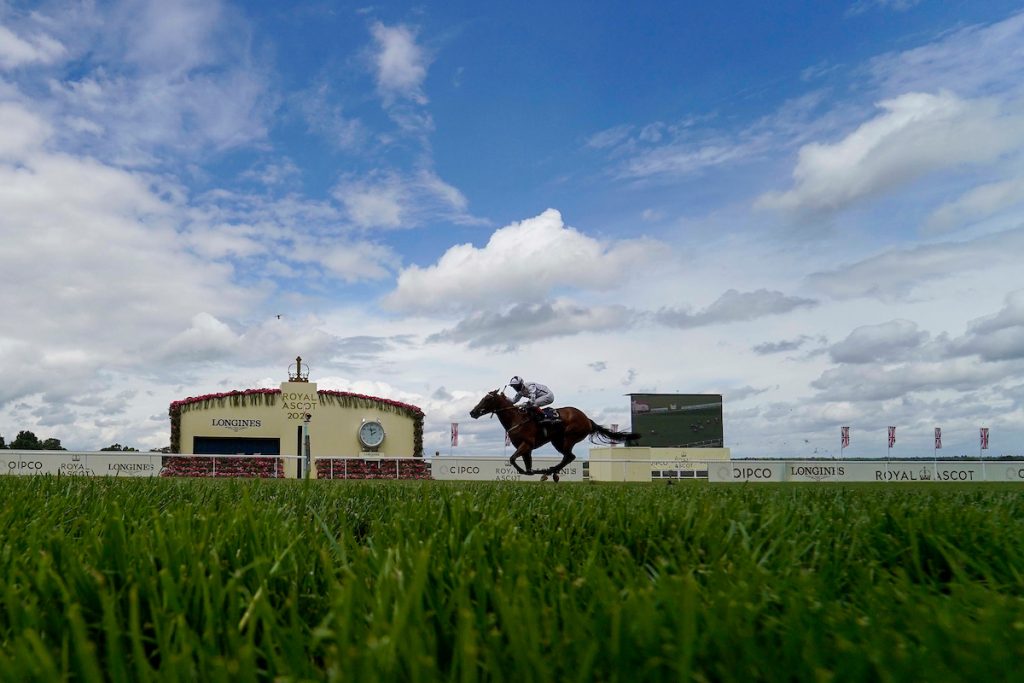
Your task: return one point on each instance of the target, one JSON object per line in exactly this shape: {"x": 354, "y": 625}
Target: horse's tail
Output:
{"x": 606, "y": 435}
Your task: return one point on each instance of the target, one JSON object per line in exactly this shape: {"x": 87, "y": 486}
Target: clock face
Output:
{"x": 371, "y": 434}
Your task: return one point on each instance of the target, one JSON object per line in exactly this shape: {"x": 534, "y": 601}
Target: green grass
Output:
{"x": 136, "y": 580}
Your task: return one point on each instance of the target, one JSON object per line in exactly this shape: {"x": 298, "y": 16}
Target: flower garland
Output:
{"x": 269, "y": 397}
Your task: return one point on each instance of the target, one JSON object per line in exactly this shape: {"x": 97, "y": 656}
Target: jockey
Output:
{"x": 536, "y": 395}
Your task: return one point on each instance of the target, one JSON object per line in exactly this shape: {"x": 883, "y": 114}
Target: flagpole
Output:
{"x": 982, "y": 445}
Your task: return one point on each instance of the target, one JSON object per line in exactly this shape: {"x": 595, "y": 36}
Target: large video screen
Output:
{"x": 677, "y": 420}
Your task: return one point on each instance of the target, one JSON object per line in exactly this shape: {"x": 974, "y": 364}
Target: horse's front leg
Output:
{"x": 527, "y": 455}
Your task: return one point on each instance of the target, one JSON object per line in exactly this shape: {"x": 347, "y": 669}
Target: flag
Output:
{"x": 455, "y": 433}
{"x": 984, "y": 438}
{"x": 938, "y": 437}
{"x": 845, "y": 436}
{"x": 892, "y": 436}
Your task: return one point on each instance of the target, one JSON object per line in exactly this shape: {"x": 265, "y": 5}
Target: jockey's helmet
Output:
{"x": 516, "y": 382}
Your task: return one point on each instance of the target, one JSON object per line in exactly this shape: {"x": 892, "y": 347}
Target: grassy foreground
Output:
{"x": 136, "y": 580}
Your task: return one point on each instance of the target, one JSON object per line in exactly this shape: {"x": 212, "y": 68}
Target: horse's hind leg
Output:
{"x": 567, "y": 457}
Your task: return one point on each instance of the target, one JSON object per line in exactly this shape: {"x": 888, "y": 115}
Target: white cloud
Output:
{"x": 887, "y": 342}
{"x": 154, "y": 76}
{"x": 915, "y": 134}
{"x": 207, "y": 338}
{"x": 401, "y": 64}
{"x": 996, "y": 337}
{"x": 862, "y": 6}
{"x": 23, "y": 132}
{"x": 875, "y": 382}
{"x": 734, "y": 306}
{"x": 16, "y": 51}
{"x": 373, "y": 204}
{"x": 526, "y": 323}
{"x": 973, "y": 61}
{"x": 976, "y": 205}
{"x": 896, "y": 272}
{"x": 521, "y": 262}
{"x": 392, "y": 200}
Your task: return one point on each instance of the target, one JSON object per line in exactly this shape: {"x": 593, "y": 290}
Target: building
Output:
{"x": 272, "y": 422}
{"x": 680, "y": 436}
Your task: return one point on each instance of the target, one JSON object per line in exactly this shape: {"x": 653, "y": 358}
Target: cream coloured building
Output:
{"x": 271, "y": 421}
{"x": 644, "y": 464}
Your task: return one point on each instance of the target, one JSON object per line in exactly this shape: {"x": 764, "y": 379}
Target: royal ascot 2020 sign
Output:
{"x": 80, "y": 464}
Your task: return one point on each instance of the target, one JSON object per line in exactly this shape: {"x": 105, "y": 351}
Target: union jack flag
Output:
{"x": 984, "y": 438}
{"x": 892, "y": 436}
{"x": 455, "y": 433}
{"x": 938, "y": 437}
{"x": 845, "y": 432}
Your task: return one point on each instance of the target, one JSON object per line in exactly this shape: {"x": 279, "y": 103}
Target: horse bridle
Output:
{"x": 512, "y": 407}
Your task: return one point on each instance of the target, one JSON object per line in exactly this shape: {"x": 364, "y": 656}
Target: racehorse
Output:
{"x": 526, "y": 434}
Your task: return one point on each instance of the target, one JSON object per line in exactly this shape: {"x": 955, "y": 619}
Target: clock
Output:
{"x": 371, "y": 434}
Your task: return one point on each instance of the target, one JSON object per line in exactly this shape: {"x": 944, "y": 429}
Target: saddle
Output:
{"x": 546, "y": 416}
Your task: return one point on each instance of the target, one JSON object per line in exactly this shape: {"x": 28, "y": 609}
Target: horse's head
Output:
{"x": 488, "y": 404}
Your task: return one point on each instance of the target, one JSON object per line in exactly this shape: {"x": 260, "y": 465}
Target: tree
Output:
{"x": 119, "y": 447}
{"x": 26, "y": 441}
{"x": 2, "y": 444}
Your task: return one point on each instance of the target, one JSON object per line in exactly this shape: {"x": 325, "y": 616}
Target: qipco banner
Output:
{"x": 80, "y": 464}
{"x": 876, "y": 471}
{"x": 497, "y": 469}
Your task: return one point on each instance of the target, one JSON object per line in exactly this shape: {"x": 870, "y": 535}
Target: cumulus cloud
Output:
{"x": 522, "y": 262}
{"x": 915, "y": 133}
{"x": 891, "y": 341}
{"x": 734, "y": 306}
{"x": 525, "y": 323}
{"x": 400, "y": 63}
{"x": 997, "y": 337}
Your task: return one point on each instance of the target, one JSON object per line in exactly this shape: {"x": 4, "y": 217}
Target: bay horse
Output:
{"x": 527, "y": 435}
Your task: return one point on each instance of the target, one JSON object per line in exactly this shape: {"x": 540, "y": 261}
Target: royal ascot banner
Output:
{"x": 102, "y": 464}
{"x": 865, "y": 471}
{"x": 497, "y": 469}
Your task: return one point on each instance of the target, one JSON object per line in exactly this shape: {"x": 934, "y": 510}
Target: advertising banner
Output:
{"x": 497, "y": 469}
{"x": 71, "y": 463}
{"x": 865, "y": 471}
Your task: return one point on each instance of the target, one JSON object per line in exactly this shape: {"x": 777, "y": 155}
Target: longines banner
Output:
{"x": 877, "y": 471}
{"x": 497, "y": 469}
{"x": 109, "y": 464}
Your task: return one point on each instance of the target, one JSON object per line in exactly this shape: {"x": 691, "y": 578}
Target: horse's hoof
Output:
{"x": 543, "y": 477}
{"x": 555, "y": 477}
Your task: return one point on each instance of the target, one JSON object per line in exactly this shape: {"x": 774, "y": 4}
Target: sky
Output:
{"x": 814, "y": 209}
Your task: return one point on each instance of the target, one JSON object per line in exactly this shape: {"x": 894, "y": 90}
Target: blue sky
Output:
{"x": 814, "y": 209}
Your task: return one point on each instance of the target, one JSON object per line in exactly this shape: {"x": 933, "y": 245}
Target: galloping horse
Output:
{"x": 526, "y": 435}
